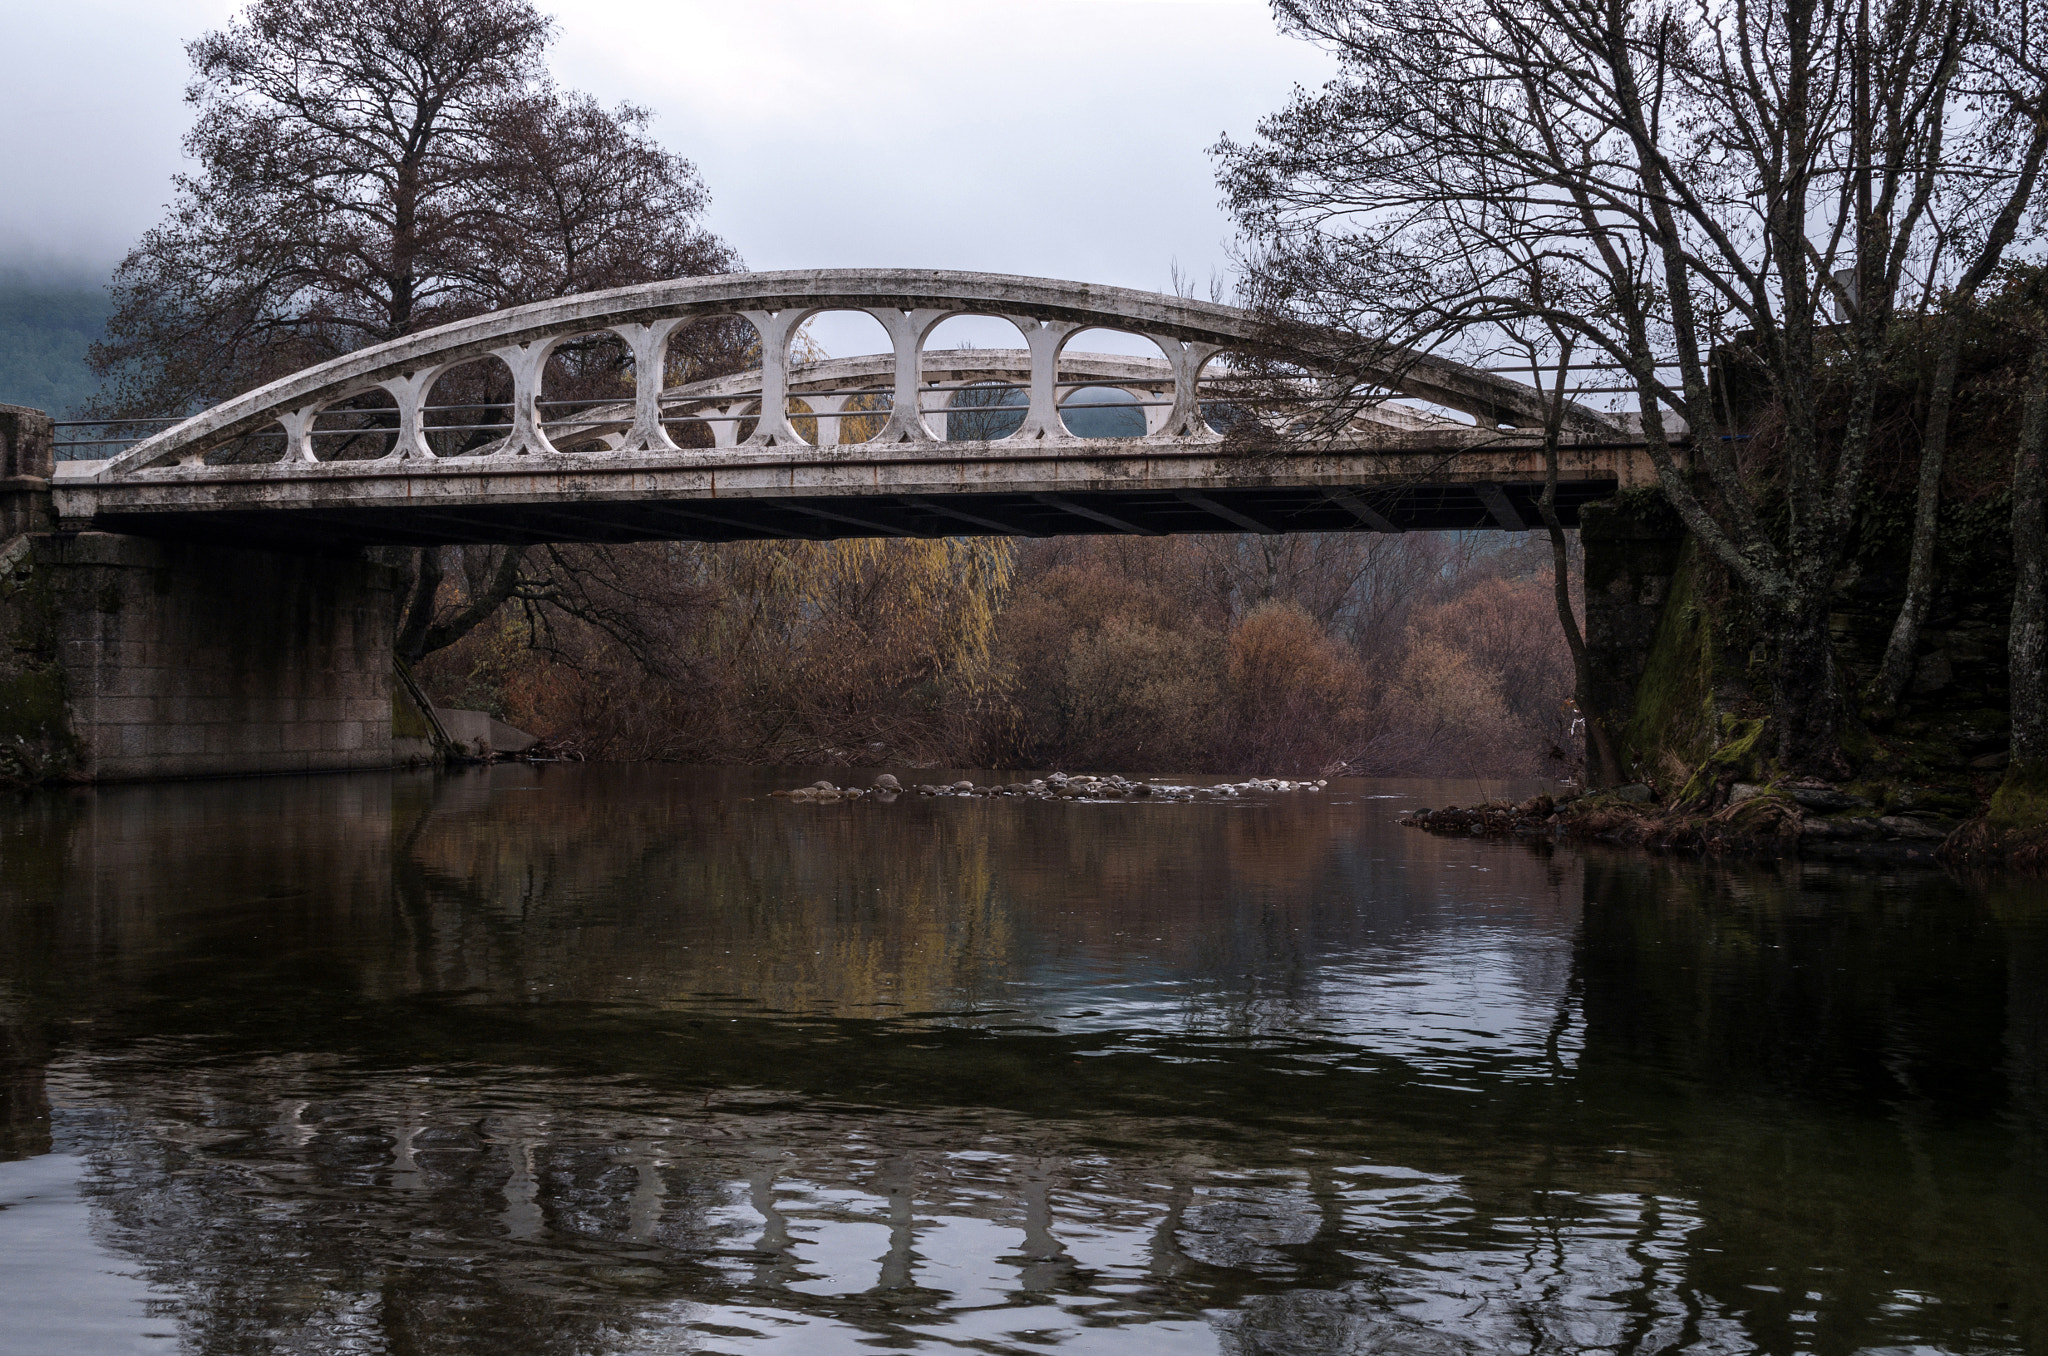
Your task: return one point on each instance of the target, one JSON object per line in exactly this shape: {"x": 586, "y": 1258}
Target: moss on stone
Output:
{"x": 1952, "y": 802}
{"x": 2020, "y": 804}
{"x": 1679, "y": 714}
{"x": 36, "y": 740}
{"x": 1738, "y": 757}
{"x": 2013, "y": 829}
{"x": 406, "y": 720}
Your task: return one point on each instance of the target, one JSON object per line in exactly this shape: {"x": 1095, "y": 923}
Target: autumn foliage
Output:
{"x": 1301, "y": 654}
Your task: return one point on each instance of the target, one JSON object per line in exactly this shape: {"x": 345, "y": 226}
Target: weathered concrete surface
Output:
{"x": 27, "y": 457}
{"x": 1634, "y": 546}
{"x": 909, "y": 304}
{"x": 1442, "y": 481}
{"x": 483, "y": 734}
{"x": 27, "y": 440}
{"x": 133, "y": 658}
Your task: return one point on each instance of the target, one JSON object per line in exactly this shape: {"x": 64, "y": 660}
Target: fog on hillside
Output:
{"x": 49, "y": 316}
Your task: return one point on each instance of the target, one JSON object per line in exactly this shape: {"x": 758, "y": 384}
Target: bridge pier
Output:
{"x": 191, "y": 661}
{"x": 1634, "y": 545}
{"x": 130, "y": 658}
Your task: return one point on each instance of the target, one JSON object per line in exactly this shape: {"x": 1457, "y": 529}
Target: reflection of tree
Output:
{"x": 570, "y": 1062}
{"x": 1869, "y": 1044}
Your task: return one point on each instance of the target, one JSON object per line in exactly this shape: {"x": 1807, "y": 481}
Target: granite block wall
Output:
{"x": 1634, "y": 544}
{"x": 186, "y": 660}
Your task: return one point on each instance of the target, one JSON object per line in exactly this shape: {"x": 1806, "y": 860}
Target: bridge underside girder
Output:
{"x": 1139, "y": 512}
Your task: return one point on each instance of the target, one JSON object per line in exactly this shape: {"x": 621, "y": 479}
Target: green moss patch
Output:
{"x": 2020, "y": 805}
{"x": 1740, "y": 757}
{"x": 36, "y": 742}
{"x": 1678, "y": 678}
{"x": 406, "y": 720}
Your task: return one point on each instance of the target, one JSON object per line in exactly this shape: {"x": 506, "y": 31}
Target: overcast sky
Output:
{"x": 1063, "y": 138}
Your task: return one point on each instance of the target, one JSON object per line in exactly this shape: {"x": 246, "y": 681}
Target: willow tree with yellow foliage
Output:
{"x": 766, "y": 651}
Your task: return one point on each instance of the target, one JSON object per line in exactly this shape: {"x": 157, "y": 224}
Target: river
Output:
{"x": 588, "y": 1059}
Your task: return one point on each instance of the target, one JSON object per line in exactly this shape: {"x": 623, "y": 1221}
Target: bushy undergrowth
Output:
{"x": 1299, "y": 654}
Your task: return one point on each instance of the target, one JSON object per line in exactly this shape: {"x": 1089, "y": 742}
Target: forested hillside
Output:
{"x": 46, "y": 325}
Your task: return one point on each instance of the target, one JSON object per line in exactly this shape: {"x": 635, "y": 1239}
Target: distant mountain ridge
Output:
{"x": 46, "y": 325}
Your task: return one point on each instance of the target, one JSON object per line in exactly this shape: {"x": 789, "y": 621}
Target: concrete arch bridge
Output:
{"x": 200, "y": 604}
{"x": 1040, "y": 439}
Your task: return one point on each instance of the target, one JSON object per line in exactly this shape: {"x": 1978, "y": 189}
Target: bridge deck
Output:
{"x": 1071, "y": 487}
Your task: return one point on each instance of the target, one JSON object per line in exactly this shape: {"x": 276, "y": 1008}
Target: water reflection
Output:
{"x": 624, "y": 1060}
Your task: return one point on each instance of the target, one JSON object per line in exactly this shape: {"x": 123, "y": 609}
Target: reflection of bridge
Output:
{"x": 206, "y": 608}
{"x": 362, "y": 450}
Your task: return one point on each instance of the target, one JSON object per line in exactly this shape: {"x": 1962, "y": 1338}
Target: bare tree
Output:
{"x": 2006, "y": 70}
{"x": 2027, "y": 645}
{"x": 370, "y": 168}
{"x": 1602, "y": 764}
{"x": 1655, "y": 184}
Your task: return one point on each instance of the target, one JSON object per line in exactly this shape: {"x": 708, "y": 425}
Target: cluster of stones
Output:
{"x": 1058, "y": 786}
{"x": 825, "y": 793}
{"x": 1816, "y": 816}
{"x": 1498, "y": 818}
{"x": 1829, "y": 812}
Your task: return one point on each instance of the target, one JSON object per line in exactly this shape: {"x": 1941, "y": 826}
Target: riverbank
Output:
{"x": 1808, "y": 819}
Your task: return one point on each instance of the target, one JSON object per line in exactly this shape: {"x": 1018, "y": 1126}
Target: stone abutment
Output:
{"x": 129, "y": 658}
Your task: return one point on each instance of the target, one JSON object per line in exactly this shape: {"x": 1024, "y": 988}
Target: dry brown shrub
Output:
{"x": 1510, "y": 626}
{"x": 1140, "y": 696}
{"x": 1285, "y": 655}
{"x": 1452, "y": 704}
{"x": 1297, "y": 698}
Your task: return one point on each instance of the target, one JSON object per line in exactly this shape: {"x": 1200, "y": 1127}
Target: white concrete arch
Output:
{"x": 910, "y": 303}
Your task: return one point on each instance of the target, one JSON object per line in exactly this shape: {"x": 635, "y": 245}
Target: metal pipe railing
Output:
{"x": 1218, "y": 384}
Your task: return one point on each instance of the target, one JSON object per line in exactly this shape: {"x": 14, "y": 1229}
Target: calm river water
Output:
{"x": 634, "y": 1060}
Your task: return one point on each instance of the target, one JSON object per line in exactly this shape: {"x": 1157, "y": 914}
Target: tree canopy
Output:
{"x": 368, "y": 168}
{"x": 1769, "y": 186}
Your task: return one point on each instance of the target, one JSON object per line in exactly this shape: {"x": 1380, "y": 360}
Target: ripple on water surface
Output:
{"x": 637, "y": 1060}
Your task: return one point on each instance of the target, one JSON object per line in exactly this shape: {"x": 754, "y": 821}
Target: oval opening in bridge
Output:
{"x": 801, "y": 419}
{"x": 1113, "y": 384}
{"x": 976, "y": 372}
{"x": 1230, "y": 397}
{"x": 984, "y": 412}
{"x": 863, "y": 417}
{"x": 842, "y": 367}
{"x": 700, "y": 357}
{"x": 361, "y": 427}
{"x": 586, "y": 393}
{"x": 468, "y": 409}
{"x": 1102, "y": 412}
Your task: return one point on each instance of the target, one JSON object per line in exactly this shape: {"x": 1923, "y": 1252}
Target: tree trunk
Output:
{"x": 411, "y": 642}
{"x": 1602, "y": 767}
{"x": 2027, "y": 642}
{"x": 419, "y": 635}
{"x": 485, "y": 598}
{"x": 1807, "y": 703}
{"x": 1897, "y": 668}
